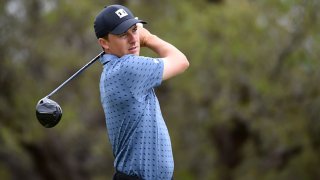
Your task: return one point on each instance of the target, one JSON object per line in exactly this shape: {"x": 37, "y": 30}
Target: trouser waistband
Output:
{"x": 122, "y": 176}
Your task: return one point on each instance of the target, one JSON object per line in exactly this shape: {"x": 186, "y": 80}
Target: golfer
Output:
{"x": 137, "y": 132}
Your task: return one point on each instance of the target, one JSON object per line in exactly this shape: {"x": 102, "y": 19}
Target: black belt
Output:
{"x": 122, "y": 176}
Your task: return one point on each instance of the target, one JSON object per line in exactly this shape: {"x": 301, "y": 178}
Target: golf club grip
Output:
{"x": 75, "y": 74}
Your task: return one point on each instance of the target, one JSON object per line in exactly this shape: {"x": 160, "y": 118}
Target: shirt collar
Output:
{"x": 107, "y": 58}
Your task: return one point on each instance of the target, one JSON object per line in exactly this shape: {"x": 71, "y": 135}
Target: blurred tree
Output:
{"x": 216, "y": 1}
{"x": 247, "y": 108}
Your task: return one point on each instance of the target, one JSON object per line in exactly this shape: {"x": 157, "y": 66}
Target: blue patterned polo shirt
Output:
{"x": 138, "y": 134}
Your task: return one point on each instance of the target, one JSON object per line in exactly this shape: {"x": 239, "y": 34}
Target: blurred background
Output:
{"x": 246, "y": 109}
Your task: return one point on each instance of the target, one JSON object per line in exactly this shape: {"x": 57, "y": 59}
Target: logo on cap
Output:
{"x": 121, "y": 13}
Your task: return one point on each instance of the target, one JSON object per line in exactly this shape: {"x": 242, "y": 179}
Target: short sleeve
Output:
{"x": 141, "y": 74}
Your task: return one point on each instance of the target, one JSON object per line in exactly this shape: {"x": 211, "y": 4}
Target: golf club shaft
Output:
{"x": 75, "y": 74}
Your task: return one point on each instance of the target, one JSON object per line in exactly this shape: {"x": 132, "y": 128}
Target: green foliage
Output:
{"x": 247, "y": 108}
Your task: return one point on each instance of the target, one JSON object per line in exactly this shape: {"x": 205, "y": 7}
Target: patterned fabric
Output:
{"x": 136, "y": 129}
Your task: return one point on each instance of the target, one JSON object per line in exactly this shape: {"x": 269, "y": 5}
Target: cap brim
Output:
{"x": 124, "y": 26}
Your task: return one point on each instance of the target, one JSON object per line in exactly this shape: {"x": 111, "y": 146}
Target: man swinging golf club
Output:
{"x": 136, "y": 129}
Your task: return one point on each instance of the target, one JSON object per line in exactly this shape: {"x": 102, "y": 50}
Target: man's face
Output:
{"x": 126, "y": 43}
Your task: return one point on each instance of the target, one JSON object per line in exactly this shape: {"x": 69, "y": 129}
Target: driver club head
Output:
{"x": 48, "y": 112}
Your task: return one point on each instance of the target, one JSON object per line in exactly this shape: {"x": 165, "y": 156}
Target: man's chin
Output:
{"x": 135, "y": 53}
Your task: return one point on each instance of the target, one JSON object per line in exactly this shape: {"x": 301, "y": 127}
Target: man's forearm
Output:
{"x": 175, "y": 62}
{"x": 162, "y": 48}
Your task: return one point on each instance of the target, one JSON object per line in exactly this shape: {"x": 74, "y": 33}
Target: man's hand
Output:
{"x": 174, "y": 61}
{"x": 144, "y": 34}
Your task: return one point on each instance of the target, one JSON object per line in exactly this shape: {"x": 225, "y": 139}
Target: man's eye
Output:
{"x": 122, "y": 35}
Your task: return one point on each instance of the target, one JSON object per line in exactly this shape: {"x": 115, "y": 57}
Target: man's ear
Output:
{"x": 103, "y": 43}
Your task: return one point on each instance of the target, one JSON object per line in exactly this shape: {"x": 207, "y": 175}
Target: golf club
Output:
{"x": 49, "y": 112}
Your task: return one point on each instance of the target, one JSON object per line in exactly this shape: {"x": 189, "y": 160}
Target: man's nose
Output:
{"x": 132, "y": 38}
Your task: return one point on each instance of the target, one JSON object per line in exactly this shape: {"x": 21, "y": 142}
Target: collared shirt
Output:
{"x": 138, "y": 134}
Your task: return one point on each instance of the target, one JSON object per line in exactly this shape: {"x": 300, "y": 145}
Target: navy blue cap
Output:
{"x": 114, "y": 19}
